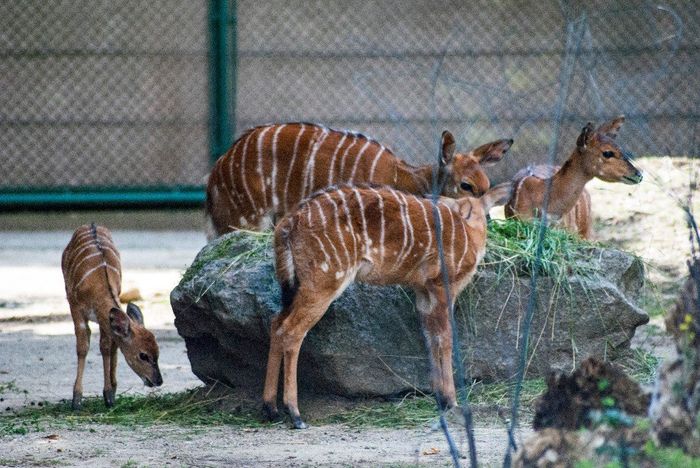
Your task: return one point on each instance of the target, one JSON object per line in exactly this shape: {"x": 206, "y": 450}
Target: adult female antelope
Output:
{"x": 596, "y": 155}
{"x": 92, "y": 273}
{"x": 378, "y": 236}
{"x": 270, "y": 169}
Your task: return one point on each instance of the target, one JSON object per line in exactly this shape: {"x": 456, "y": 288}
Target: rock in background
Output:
{"x": 369, "y": 342}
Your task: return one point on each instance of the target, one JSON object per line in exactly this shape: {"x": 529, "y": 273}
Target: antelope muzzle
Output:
{"x": 635, "y": 176}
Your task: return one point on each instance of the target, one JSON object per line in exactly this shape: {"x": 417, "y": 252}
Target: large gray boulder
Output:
{"x": 369, "y": 341}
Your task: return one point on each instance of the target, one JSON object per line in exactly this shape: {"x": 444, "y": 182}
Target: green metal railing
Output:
{"x": 222, "y": 74}
{"x": 102, "y": 197}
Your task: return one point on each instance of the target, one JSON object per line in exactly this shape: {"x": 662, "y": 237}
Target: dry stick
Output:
{"x": 456, "y": 354}
{"x": 576, "y": 28}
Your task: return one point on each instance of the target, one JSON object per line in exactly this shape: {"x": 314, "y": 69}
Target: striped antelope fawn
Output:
{"x": 379, "y": 236}
{"x": 270, "y": 169}
{"x": 569, "y": 206}
{"x": 92, "y": 273}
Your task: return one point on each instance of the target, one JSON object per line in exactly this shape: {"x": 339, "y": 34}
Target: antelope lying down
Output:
{"x": 271, "y": 168}
{"x": 596, "y": 155}
{"x": 378, "y": 236}
{"x": 92, "y": 273}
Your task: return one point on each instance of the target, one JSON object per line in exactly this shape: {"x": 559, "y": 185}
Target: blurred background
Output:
{"x": 128, "y": 102}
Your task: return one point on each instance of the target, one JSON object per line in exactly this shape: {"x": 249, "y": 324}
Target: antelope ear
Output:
{"x": 119, "y": 323}
{"x": 447, "y": 146}
{"x": 497, "y": 196}
{"x": 611, "y": 128}
{"x": 133, "y": 311}
{"x": 491, "y": 153}
{"x": 585, "y": 137}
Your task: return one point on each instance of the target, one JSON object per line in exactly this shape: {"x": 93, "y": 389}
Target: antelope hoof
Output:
{"x": 77, "y": 401}
{"x": 108, "y": 397}
{"x": 455, "y": 415}
{"x": 270, "y": 412}
{"x": 298, "y": 423}
{"x": 443, "y": 404}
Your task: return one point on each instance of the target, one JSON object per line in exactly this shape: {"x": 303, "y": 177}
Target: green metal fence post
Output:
{"x": 222, "y": 74}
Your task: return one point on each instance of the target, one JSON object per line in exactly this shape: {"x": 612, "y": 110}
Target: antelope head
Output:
{"x": 603, "y": 157}
{"x": 463, "y": 173}
{"x": 137, "y": 344}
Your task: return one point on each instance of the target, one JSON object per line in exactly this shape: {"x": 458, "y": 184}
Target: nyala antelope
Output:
{"x": 92, "y": 274}
{"x": 569, "y": 206}
{"x": 379, "y": 236}
{"x": 270, "y": 169}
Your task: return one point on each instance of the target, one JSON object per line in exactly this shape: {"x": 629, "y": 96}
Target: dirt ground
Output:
{"x": 37, "y": 345}
{"x": 37, "y": 365}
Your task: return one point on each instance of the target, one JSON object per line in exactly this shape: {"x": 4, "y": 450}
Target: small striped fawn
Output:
{"x": 271, "y": 168}
{"x": 374, "y": 235}
{"x": 569, "y": 206}
{"x": 92, "y": 274}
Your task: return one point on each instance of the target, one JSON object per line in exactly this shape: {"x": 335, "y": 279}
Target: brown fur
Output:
{"x": 271, "y": 168}
{"x": 92, "y": 273}
{"x": 378, "y": 236}
{"x": 569, "y": 202}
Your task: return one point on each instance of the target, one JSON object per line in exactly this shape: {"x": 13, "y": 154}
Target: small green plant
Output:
{"x": 410, "y": 411}
{"x": 500, "y": 393}
{"x": 10, "y": 387}
{"x": 652, "y": 299}
{"x": 19, "y": 426}
{"x": 248, "y": 245}
{"x": 417, "y": 410}
{"x": 669, "y": 456}
{"x": 188, "y": 408}
{"x": 642, "y": 366}
{"x": 513, "y": 244}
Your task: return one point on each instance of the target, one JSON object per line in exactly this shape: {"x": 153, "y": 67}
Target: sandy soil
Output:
{"x": 647, "y": 218}
{"x": 37, "y": 356}
{"x": 176, "y": 446}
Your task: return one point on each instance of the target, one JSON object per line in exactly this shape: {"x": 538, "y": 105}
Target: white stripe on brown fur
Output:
{"x": 308, "y": 292}
{"x": 275, "y": 138}
{"x": 92, "y": 275}
{"x": 331, "y": 173}
{"x": 302, "y": 128}
{"x": 304, "y": 158}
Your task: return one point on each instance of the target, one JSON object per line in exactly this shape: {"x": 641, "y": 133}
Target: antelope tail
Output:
{"x": 213, "y": 207}
{"x": 284, "y": 262}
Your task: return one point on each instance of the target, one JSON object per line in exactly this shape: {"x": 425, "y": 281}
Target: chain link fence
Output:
{"x": 103, "y": 93}
{"x": 117, "y": 93}
{"x": 402, "y": 71}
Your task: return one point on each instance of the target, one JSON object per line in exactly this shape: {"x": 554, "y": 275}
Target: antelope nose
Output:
{"x": 633, "y": 179}
{"x": 157, "y": 378}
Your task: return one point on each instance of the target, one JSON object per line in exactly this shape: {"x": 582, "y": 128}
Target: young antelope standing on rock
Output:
{"x": 378, "y": 236}
{"x": 596, "y": 155}
{"x": 92, "y": 273}
{"x": 271, "y": 168}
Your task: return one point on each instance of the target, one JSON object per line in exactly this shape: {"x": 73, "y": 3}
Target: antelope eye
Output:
{"x": 143, "y": 357}
{"x": 608, "y": 154}
{"x": 466, "y": 187}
